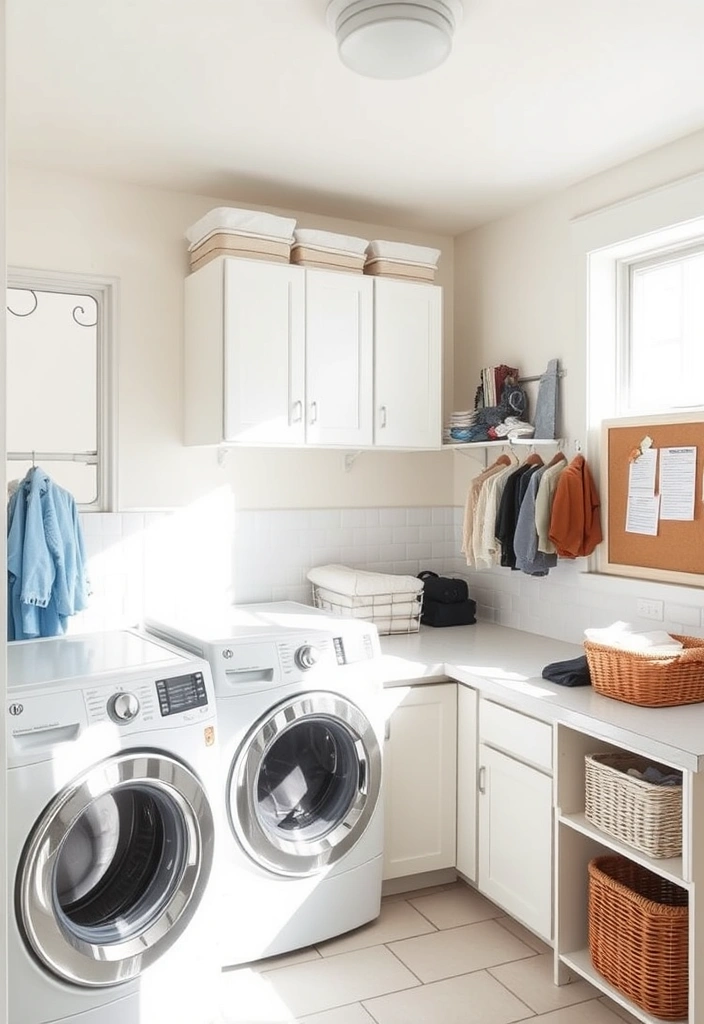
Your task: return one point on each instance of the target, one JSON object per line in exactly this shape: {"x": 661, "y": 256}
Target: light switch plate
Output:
{"x": 650, "y": 609}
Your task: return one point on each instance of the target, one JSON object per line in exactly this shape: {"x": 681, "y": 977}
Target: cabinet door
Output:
{"x": 420, "y": 778}
{"x": 339, "y": 358}
{"x": 515, "y": 838}
{"x": 408, "y": 364}
{"x": 467, "y": 782}
{"x": 264, "y": 328}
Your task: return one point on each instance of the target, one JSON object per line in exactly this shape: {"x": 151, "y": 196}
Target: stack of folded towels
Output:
{"x": 625, "y": 637}
{"x": 401, "y": 260}
{"x": 249, "y": 234}
{"x": 328, "y": 251}
{"x": 391, "y": 602}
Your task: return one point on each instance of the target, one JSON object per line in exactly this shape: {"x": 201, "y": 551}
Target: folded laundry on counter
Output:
{"x": 626, "y": 637}
{"x": 359, "y": 582}
{"x": 574, "y": 672}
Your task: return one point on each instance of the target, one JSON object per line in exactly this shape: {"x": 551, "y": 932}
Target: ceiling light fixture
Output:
{"x": 384, "y": 39}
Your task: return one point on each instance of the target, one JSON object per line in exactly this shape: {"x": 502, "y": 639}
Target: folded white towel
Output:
{"x": 381, "y": 249}
{"x": 358, "y": 582}
{"x": 624, "y": 636}
{"x": 327, "y": 240}
{"x": 252, "y": 222}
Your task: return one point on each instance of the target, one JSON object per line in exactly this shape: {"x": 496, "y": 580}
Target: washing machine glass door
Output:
{"x": 305, "y": 783}
{"x": 115, "y": 868}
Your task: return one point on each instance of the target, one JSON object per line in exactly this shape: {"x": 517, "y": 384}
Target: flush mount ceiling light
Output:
{"x": 384, "y": 39}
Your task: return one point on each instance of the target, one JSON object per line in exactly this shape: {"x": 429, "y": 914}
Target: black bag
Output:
{"x": 442, "y": 588}
{"x": 461, "y": 613}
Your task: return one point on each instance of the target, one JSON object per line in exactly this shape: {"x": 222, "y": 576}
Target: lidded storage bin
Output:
{"x": 645, "y": 815}
{"x": 638, "y": 935}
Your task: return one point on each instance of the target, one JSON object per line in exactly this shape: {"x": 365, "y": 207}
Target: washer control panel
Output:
{"x": 181, "y": 693}
{"x": 307, "y": 656}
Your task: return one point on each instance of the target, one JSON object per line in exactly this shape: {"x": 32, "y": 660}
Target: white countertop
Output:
{"x": 506, "y": 664}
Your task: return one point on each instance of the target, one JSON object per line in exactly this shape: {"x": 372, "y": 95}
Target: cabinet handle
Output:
{"x": 387, "y": 729}
{"x": 297, "y": 411}
{"x": 382, "y": 413}
{"x": 481, "y": 779}
{"x": 313, "y": 412}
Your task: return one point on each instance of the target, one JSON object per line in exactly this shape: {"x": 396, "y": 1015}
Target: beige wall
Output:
{"x": 516, "y": 285}
{"x": 64, "y": 223}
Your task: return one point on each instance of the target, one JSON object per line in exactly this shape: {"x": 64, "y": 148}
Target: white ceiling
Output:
{"x": 246, "y": 100}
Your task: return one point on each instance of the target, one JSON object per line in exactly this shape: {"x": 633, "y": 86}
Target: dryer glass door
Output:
{"x": 305, "y": 784}
{"x": 115, "y": 868}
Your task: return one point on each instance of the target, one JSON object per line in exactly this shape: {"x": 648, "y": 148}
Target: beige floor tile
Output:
{"x": 592, "y": 1012}
{"x": 459, "y": 950}
{"x": 396, "y": 921}
{"x": 309, "y": 988}
{"x": 299, "y": 956}
{"x": 354, "y": 1014}
{"x": 524, "y": 934}
{"x": 470, "y": 999}
{"x": 532, "y": 981}
{"x": 455, "y": 907}
{"x": 619, "y": 1010}
{"x": 414, "y": 893}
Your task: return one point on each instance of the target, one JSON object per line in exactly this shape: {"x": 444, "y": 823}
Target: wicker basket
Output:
{"x": 642, "y": 814}
{"x": 638, "y": 935}
{"x": 646, "y": 679}
{"x": 391, "y": 613}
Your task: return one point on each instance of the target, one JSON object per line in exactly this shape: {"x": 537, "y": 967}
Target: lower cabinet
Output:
{"x": 420, "y": 779}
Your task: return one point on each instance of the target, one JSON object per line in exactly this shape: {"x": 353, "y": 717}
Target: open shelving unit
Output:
{"x": 577, "y": 841}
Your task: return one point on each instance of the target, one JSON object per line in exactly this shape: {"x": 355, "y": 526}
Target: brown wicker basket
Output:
{"x": 642, "y": 814}
{"x": 638, "y": 935}
{"x": 649, "y": 680}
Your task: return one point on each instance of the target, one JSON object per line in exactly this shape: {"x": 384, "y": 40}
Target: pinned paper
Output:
{"x": 677, "y": 482}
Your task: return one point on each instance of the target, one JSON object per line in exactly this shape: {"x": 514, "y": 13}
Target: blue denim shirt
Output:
{"x": 46, "y": 559}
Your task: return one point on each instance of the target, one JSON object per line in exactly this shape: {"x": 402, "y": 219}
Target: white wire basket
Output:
{"x": 390, "y": 613}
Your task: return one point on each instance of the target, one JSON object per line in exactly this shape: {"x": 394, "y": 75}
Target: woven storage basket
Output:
{"x": 638, "y": 934}
{"x": 644, "y": 815}
{"x": 648, "y": 680}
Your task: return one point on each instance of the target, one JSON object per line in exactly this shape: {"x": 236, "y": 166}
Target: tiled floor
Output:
{"x": 440, "y": 956}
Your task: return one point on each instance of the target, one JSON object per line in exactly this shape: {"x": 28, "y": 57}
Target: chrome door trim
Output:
{"x": 82, "y": 962}
{"x": 297, "y": 857}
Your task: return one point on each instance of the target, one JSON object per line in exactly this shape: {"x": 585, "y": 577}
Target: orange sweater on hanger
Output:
{"x": 575, "y": 529}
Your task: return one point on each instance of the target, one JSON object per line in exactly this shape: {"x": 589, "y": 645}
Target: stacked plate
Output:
{"x": 327, "y": 250}
{"x": 248, "y": 234}
{"x": 401, "y": 260}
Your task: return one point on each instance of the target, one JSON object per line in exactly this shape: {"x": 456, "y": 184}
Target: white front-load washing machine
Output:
{"x": 112, "y": 764}
{"x": 301, "y": 727}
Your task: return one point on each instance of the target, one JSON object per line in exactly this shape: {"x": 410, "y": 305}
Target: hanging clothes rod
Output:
{"x": 90, "y": 458}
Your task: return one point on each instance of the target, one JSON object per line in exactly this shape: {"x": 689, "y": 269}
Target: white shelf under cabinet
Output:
{"x": 668, "y": 867}
{"x": 581, "y": 963}
{"x": 536, "y": 442}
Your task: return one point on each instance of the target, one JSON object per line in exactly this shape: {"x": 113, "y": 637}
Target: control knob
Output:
{"x": 307, "y": 656}
{"x": 123, "y": 707}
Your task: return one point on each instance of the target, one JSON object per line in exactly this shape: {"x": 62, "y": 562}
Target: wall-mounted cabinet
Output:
{"x": 286, "y": 355}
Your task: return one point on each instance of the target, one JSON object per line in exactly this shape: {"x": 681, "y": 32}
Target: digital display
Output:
{"x": 181, "y": 693}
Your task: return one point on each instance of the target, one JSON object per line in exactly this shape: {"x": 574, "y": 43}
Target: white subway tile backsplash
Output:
{"x": 685, "y": 614}
{"x": 392, "y": 516}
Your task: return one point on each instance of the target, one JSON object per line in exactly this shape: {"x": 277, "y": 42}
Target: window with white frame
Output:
{"x": 661, "y": 343}
{"x": 59, "y": 381}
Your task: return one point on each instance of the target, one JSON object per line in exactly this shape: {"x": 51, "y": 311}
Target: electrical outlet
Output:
{"x": 650, "y": 609}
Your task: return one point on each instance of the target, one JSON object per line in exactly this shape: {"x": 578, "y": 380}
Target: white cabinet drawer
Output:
{"x": 518, "y": 735}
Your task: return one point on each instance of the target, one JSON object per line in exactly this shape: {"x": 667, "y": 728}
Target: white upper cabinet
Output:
{"x": 286, "y": 355}
{"x": 407, "y": 364}
{"x": 339, "y": 358}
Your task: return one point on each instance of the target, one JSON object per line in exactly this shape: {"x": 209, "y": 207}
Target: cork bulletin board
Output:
{"x": 676, "y": 554}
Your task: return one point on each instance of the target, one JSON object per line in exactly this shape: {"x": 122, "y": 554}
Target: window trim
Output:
{"x": 105, "y": 291}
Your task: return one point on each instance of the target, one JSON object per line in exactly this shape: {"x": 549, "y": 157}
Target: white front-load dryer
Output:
{"x": 112, "y": 764}
{"x": 301, "y": 731}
